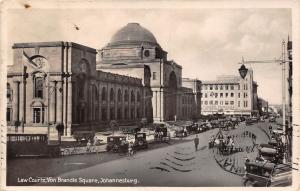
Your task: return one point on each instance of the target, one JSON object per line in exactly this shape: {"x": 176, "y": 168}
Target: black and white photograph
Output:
{"x": 149, "y": 94}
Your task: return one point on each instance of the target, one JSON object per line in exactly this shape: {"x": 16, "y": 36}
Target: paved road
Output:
{"x": 175, "y": 165}
{"x": 172, "y": 165}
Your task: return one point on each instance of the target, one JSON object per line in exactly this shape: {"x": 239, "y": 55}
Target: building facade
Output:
{"x": 134, "y": 51}
{"x": 230, "y": 95}
{"x": 53, "y": 83}
{"x": 57, "y": 82}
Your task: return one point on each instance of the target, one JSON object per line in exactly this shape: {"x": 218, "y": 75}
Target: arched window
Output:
{"x": 119, "y": 113}
{"x": 8, "y": 92}
{"x": 112, "y": 95}
{"x": 112, "y": 113}
{"x": 138, "y": 97}
{"x": 38, "y": 87}
{"x": 103, "y": 94}
{"x": 132, "y": 114}
{"x": 132, "y": 96}
{"x": 119, "y": 95}
{"x": 126, "y": 96}
{"x": 126, "y": 113}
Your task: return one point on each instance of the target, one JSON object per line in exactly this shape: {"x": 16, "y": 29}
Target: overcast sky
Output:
{"x": 206, "y": 42}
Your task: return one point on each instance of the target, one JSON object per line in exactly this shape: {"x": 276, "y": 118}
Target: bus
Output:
{"x": 24, "y": 145}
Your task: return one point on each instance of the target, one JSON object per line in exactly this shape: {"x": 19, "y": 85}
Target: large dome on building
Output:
{"x": 133, "y": 32}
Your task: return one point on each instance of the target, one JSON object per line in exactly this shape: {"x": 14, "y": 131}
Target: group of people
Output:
{"x": 222, "y": 143}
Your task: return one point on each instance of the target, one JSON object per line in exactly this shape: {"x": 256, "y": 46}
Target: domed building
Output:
{"x": 53, "y": 83}
{"x": 134, "y": 51}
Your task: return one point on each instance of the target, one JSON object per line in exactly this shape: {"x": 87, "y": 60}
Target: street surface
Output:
{"x": 175, "y": 164}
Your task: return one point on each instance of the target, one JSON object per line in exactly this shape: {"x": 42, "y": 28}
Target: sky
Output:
{"x": 206, "y": 42}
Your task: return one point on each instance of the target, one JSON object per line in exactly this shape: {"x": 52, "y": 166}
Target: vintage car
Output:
{"x": 140, "y": 141}
{"x": 272, "y": 119}
{"x": 117, "y": 144}
{"x": 270, "y": 154}
{"x": 84, "y": 136}
{"x": 262, "y": 174}
{"x": 161, "y": 133}
{"x": 180, "y": 133}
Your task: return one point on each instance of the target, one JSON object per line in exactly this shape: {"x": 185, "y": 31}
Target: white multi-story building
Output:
{"x": 230, "y": 95}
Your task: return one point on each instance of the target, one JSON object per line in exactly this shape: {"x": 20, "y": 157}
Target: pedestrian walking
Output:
{"x": 88, "y": 146}
{"x": 130, "y": 148}
{"x": 196, "y": 142}
{"x": 270, "y": 129}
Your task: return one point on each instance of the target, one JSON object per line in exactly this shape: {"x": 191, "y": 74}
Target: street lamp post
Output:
{"x": 243, "y": 72}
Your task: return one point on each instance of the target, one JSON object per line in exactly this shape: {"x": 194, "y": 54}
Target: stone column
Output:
{"x": 59, "y": 108}
{"x": 16, "y": 101}
{"x": 53, "y": 91}
{"x": 69, "y": 109}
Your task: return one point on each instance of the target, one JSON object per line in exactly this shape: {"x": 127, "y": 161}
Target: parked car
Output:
{"x": 271, "y": 154}
{"x": 140, "y": 141}
{"x": 117, "y": 144}
{"x": 180, "y": 132}
{"x": 84, "y": 136}
{"x": 272, "y": 119}
{"x": 261, "y": 174}
{"x": 161, "y": 133}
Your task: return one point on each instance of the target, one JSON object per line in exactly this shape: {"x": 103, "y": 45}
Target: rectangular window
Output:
{"x": 231, "y": 94}
{"x": 205, "y": 95}
{"x": 231, "y": 102}
{"x": 216, "y": 102}
{"x": 226, "y": 94}
{"x": 221, "y": 102}
{"x": 104, "y": 114}
{"x": 38, "y": 86}
{"x": 231, "y": 87}
{"x": 226, "y": 87}
{"x": 221, "y": 87}
{"x": 216, "y": 94}
{"x": 239, "y": 104}
{"x": 154, "y": 76}
{"x": 211, "y": 103}
{"x": 226, "y": 102}
{"x": 221, "y": 94}
{"x": 239, "y": 95}
{"x": 216, "y": 87}
{"x": 211, "y": 87}
{"x": 246, "y": 104}
{"x": 205, "y": 102}
{"x": 239, "y": 87}
{"x": 38, "y": 115}
{"x": 8, "y": 114}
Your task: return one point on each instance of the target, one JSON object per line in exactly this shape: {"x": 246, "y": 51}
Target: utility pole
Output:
{"x": 282, "y": 62}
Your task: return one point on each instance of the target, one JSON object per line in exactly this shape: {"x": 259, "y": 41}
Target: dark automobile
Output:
{"x": 272, "y": 119}
{"x": 180, "y": 132}
{"x": 271, "y": 154}
{"x": 140, "y": 141}
{"x": 261, "y": 174}
{"x": 161, "y": 133}
{"x": 84, "y": 136}
{"x": 117, "y": 144}
{"x": 249, "y": 121}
